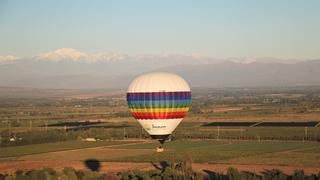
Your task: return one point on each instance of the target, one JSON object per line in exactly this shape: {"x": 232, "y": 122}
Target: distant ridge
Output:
{"x": 117, "y": 70}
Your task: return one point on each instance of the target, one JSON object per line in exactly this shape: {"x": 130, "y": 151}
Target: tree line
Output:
{"x": 181, "y": 170}
{"x": 8, "y": 138}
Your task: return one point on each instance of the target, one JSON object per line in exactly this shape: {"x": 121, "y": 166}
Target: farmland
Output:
{"x": 17, "y": 151}
{"x": 218, "y": 153}
{"x": 234, "y": 113}
{"x": 274, "y": 127}
{"x": 227, "y": 152}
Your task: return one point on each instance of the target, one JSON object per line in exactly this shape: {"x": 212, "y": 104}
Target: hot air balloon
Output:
{"x": 159, "y": 101}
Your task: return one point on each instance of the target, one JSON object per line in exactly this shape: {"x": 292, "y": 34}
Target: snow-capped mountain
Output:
{"x": 71, "y": 68}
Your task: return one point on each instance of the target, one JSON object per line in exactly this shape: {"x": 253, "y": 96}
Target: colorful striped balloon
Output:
{"x": 159, "y": 101}
{"x": 159, "y": 105}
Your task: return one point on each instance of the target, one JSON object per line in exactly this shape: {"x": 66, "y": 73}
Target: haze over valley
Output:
{"x": 72, "y": 69}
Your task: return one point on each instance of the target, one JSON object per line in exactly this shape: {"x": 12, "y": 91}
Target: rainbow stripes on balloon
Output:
{"x": 159, "y": 105}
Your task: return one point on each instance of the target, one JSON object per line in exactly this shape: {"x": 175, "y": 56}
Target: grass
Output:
{"x": 310, "y": 150}
{"x": 51, "y": 147}
{"x": 225, "y": 152}
{"x": 280, "y": 133}
{"x": 176, "y": 145}
{"x": 241, "y": 152}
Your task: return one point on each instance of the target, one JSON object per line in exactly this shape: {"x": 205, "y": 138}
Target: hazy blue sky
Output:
{"x": 232, "y": 28}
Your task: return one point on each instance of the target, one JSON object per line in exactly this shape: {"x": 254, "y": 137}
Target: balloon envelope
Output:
{"x": 159, "y": 101}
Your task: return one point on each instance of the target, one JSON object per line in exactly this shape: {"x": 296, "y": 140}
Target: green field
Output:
{"x": 240, "y": 152}
{"x": 52, "y": 147}
{"x": 232, "y": 152}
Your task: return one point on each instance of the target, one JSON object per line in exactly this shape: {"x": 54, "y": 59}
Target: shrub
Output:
{"x": 249, "y": 175}
{"x": 298, "y": 175}
{"x": 87, "y": 174}
{"x": 274, "y": 174}
{"x": 233, "y": 174}
{"x": 70, "y": 173}
{"x": 46, "y": 173}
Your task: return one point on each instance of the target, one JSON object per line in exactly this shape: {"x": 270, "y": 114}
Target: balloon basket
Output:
{"x": 160, "y": 149}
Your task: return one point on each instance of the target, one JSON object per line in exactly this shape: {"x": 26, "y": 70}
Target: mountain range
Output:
{"x": 69, "y": 68}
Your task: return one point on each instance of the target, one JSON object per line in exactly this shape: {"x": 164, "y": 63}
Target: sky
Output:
{"x": 221, "y": 29}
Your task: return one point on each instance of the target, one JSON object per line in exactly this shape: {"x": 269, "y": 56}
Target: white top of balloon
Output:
{"x": 157, "y": 82}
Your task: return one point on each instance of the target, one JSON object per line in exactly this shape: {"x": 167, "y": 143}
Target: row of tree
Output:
{"x": 8, "y": 138}
{"x": 164, "y": 171}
